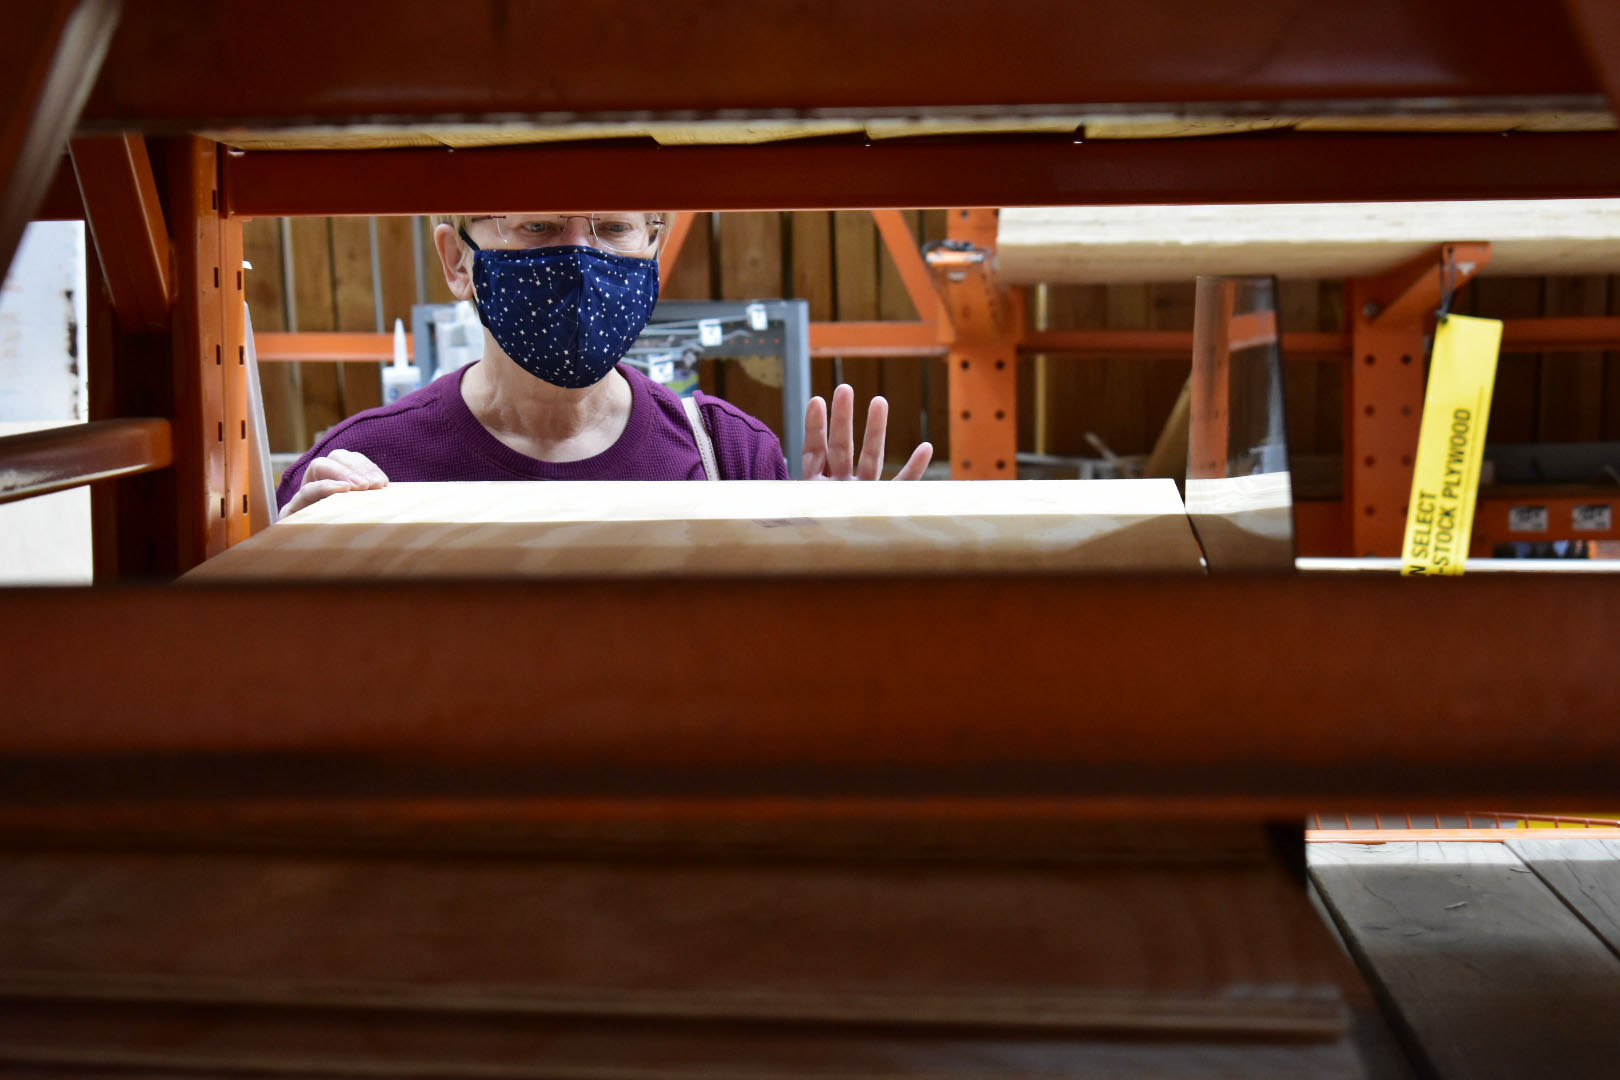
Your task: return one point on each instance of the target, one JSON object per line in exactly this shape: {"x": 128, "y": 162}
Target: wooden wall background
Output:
{"x": 836, "y": 262}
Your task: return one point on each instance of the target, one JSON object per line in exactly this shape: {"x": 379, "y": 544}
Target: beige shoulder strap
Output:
{"x": 700, "y": 432}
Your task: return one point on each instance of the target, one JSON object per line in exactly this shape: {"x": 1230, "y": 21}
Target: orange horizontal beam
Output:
{"x": 1572, "y": 334}
{"x": 921, "y": 339}
{"x": 1575, "y": 334}
{"x": 40, "y": 462}
{"x": 1164, "y": 342}
{"x": 1329, "y": 716}
{"x": 319, "y": 346}
{"x": 875, "y": 339}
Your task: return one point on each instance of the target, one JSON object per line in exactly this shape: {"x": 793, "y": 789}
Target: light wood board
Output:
{"x": 1483, "y": 968}
{"x": 1114, "y": 244}
{"x": 1151, "y": 123}
{"x": 736, "y": 528}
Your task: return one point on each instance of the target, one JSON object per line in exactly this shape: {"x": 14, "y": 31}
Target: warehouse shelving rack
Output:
{"x": 188, "y": 679}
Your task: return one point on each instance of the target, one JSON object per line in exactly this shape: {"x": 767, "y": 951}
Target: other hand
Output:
{"x": 829, "y": 449}
{"x": 342, "y": 470}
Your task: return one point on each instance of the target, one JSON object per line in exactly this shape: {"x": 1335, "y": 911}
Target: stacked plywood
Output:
{"x": 744, "y": 528}
{"x": 837, "y": 957}
{"x": 1112, "y": 244}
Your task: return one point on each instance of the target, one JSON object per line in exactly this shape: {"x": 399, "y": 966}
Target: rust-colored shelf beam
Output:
{"x": 120, "y": 196}
{"x": 49, "y": 56}
{"x": 907, "y": 174}
{"x": 1288, "y": 694}
{"x": 296, "y": 62}
{"x": 40, "y": 462}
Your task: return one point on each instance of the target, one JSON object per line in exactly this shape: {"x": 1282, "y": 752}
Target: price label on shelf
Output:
{"x": 1527, "y": 519}
{"x": 1592, "y": 517}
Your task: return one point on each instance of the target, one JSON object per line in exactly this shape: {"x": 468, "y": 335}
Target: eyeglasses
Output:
{"x": 611, "y": 232}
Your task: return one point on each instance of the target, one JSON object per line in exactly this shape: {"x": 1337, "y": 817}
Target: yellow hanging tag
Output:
{"x": 1451, "y": 445}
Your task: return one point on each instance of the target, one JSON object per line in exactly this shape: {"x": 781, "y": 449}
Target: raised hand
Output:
{"x": 829, "y": 447}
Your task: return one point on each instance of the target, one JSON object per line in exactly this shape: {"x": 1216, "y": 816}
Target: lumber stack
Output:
{"x": 851, "y": 949}
{"x": 519, "y": 529}
{"x": 1115, "y": 244}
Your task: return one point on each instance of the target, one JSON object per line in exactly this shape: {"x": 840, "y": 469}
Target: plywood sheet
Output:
{"x": 1114, "y": 244}
{"x": 1186, "y": 948}
{"x": 1485, "y": 970}
{"x": 1160, "y": 123}
{"x": 736, "y": 528}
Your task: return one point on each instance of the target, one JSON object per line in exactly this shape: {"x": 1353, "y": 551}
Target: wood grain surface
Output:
{"x": 1118, "y": 244}
{"x": 1230, "y": 950}
{"x": 1585, "y": 874}
{"x": 165, "y": 1041}
{"x": 1482, "y": 968}
{"x": 737, "y": 528}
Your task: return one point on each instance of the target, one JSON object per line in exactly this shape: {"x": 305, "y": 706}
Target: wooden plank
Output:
{"x": 1487, "y": 973}
{"x": 311, "y": 257}
{"x": 398, "y": 260}
{"x": 1124, "y": 244}
{"x": 1170, "y": 307}
{"x": 354, "y": 308}
{"x": 746, "y": 527}
{"x": 1518, "y": 375}
{"x": 1380, "y": 1051}
{"x": 1299, "y": 308}
{"x": 689, "y": 279}
{"x": 810, "y": 249}
{"x": 855, "y": 268}
{"x": 1584, "y": 873}
{"x": 1123, "y": 424}
{"x": 1077, "y": 385}
{"x": 438, "y": 289}
{"x": 751, "y": 269}
{"x": 283, "y": 391}
{"x": 900, "y": 376}
{"x": 1128, "y": 949}
{"x": 210, "y": 1042}
{"x": 1570, "y": 406}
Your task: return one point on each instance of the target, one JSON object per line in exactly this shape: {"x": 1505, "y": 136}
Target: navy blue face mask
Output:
{"x": 563, "y": 314}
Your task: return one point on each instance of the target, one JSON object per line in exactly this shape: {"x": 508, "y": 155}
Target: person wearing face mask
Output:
{"x": 562, "y": 298}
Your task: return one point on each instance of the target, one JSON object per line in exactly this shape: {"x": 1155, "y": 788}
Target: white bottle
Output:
{"x": 401, "y": 378}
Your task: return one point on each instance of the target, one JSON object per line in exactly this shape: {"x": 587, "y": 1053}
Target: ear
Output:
{"x": 456, "y": 258}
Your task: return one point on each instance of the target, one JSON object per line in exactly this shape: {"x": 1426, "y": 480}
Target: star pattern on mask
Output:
{"x": 564, "y": 314}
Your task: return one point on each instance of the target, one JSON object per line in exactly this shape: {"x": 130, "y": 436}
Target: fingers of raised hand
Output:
{"x": 917, "y": 464}
{"x": 841, "y": 434}
{"x": 872, "y": 443}
{"x": 815, "y": 439}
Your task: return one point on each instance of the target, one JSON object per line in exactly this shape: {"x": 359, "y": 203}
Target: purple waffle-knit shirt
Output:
{"x": 432, "y": 435}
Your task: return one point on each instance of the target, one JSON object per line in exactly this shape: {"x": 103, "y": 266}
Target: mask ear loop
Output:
{"x": 465, "y": 239}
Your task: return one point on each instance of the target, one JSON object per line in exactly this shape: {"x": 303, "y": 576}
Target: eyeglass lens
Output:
{"x": 620, "y": 232}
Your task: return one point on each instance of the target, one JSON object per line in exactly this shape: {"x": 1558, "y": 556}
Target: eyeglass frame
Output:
{"x": 655, "y": 228}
